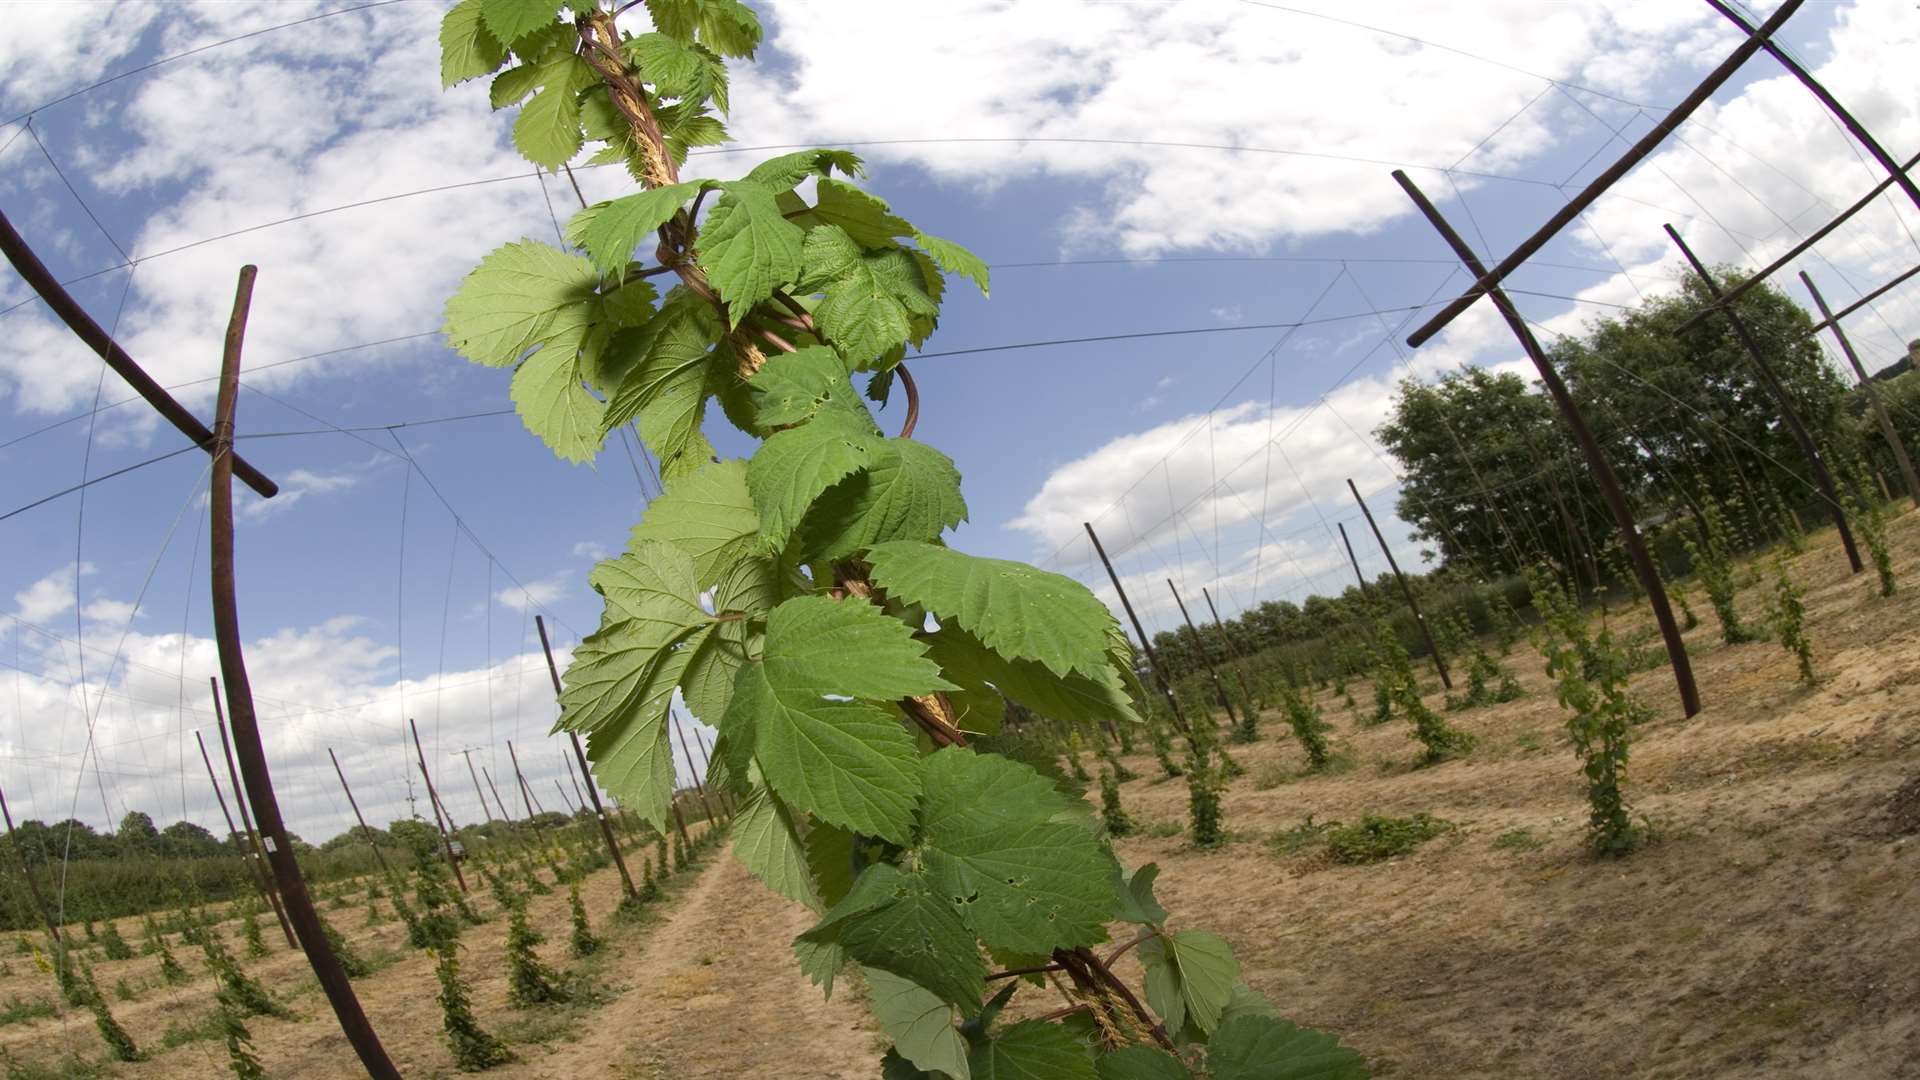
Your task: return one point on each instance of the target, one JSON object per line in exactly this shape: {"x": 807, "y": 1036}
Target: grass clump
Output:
{"x": 1374, "y": 838}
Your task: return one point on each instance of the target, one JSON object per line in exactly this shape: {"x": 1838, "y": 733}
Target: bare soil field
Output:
{"x": 1768, "y": 928}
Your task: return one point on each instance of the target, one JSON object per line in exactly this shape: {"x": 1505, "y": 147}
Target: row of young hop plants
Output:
{"x": 1590, "y": 669}
{"x": 434, "y": 921}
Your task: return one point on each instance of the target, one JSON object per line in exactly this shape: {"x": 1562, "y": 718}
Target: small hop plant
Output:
{"x": 1303, "y": 717}
{"x": 1118, "y": 823}
{"x": 250, "y": 931}
{"x": 1869, "y": 520}
{"x": 240, "y": 1056}
{"x": 112, "y": 945}
{"x": 529, "y": 981}
{"x": 1712, "y": 556}
{"x": 583, "y": 942}
{"x": 474, "y": 1048}
{"x": 1789, "y": 620}
{"x": 352, "y": 964}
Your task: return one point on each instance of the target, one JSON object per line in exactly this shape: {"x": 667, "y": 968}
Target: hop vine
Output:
{"x": 785, "y": 596}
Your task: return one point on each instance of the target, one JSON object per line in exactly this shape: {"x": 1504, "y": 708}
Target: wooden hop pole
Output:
{"x": 1822, "y": 479}
{"x": 378, "y": 855}
{"x": 1597, "y": 464}
{"x": 256, "y": 863}
{"x": 33, "y": 884}
{"x": 1406, "y": 589}
{"x": 1887, "y": 430}
{"x": 246, "y": 731}
{"x": 1206, "y": 657}
{"x": 445, "y": 825}
{"x": 1146, "y": 645}
{"x": 599, "y": 811}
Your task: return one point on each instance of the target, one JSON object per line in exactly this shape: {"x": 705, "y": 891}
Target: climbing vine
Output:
{"x": 801, "y": 600}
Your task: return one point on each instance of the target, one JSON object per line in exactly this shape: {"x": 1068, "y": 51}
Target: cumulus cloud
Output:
{"x": 539, "y": 593}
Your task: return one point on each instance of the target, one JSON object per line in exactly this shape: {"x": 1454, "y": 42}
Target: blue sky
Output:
{"x": 1216, "y": 459}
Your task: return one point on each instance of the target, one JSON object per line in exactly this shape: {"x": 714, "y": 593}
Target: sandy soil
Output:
{"x": 1768, "y": 931}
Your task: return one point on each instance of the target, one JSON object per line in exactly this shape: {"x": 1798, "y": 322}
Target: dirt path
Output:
{"x": 716, "y": 993}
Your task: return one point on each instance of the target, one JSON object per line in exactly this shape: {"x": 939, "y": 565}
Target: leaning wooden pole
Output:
{"x": 1206, "y": 657}
{"x": 1146, "y": 645}
{"x": 686, "y": 751}
{"x": 246, "y": 730}
{"x": 1587, "y": 196}
{"x": 599, "y": 811}
{"x": 1822, "y": 479}
{"x": 706, "y": 766}
{"x": 526, "y": 796}
{"x": 1887, "y": 430}
{"x": 1233, "y": 651}
{"x": 1366, "y": 591}
{"x": 42, "y": 281}
{"x": 378, "y": 855}
{"x": 485, "y": 810}
{"x": 1597, "y": 463}
{"x": 252, "y": 856}
{"x": 246, "y": 817}
{"x": 1406, "y": 588}
{"x": 33, "y": 884}
{"x": 441, "y": 819}
{"x": 573, "y": 808}
{"x": 1900, "y": 279}
{"x": 1840, "y": 112}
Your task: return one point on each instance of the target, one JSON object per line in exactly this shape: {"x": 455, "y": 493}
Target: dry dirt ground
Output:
{"x": 1768, "y": 930}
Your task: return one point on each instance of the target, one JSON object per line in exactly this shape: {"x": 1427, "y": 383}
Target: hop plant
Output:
{"x": 1303, "y": 717}
{"x": 474, "y": 1049}
{"x": 239, "y": 1040}
{"x": 1712, "y": 557}
{"x": 1112, "y": 814}
{"x": 583, "y": 943}
{"x": 120, "y": 1045}
{"x": 112, "y": 945}
{"x": 238, "y": 990}
{"x": 785, "y": 597}
{"x": 170, "y": 970}
{"x": 529, "y": 981}
{"x": 250, "y": 931}
{"x": 1204, "y": 815}
{"x": 1591, "y": 684}
{"x": 1789, "y": 620}
{"x": 1870, "y": 526}
{"x": 352, "y": 964}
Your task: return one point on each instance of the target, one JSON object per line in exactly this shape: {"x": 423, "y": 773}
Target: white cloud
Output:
{"x": 591, "y": 550}
{"x": 295, "y": 486}
{"x": 49, "y": 597}
{"x": 1223, "y": 74}
{"x": 539, "y": 593}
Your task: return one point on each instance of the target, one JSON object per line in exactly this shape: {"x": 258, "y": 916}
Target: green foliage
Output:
{"x": 1375, "y": 838}
{"x": 240, "y": 1056}
{"x": 238, "y": 990}
{"x": 529, "y": 980}
{"x": 1790, "y": 618}
{"x": 250, "y": 931}
{"x": 1112, "y": 815}
{"x": 1303, "y": 717}
{"x": 1869, "y": 520}
{"x": 1712, "y": 557}
{"x": 582, "y": 942}
{"x": 112, "y": 945}
{"x": 120, "y": 1045}
{"x": 803, "y": 601}
{"x": 170, "y": 970}
{"x": 474, "y": 1049}
{"x": 1591, "y": 676}
{"x": 1396, "y": 687}
{"x": 352, "y": 964}
{"x": 1204, "y": 783}
{"x": 16, "y": 1010}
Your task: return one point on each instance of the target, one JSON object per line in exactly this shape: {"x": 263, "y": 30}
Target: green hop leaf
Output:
{"x": 1014, "y": 609}
{"x": 919, "y": 1023}
{"x": 618, "y": 690}
{"x": 1032, "y": 1050}
{"x": 790, "y": 388}
{"x": 790, "y": 470}
{"x": 554, "y": 405}
{"x": 765, "y": 842}
{"x": 865, "y": 217}
{"x": 747, "y": 247}
{"x": 709, "y": 516}
{"x": 610, "y": 231}
{"x": 894, "y": 921}
{"x": 1021, "y": 879}
{"x": 848, "y": 762}
{"x": 1268, "y": 1048}
{"x": 468, "y": 49}
{"x": 786, "y": 171}
{"x": 521, "y": 296}
{"x": 954, "y": 259}
{"x": 1190, "y": 975}
{"x": 910, "y": 492}
{"x": 509, "y": 20}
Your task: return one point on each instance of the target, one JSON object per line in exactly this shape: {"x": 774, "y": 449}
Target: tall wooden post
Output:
{"x": 1602, "y": 470}
{"x": 33, "y": 884}
{"x": 579, "y": 797}
{"x": 1233, "y": 651}
{"x": 687, "y": 752}
{"x": 1200, "y": 644}
{"x": 1146, "y": 645}
{"x": 1822, "y": 479}
{"x": 1366, "y": 591}
{"x": 1887, "y": 430}
{"x": 246, "y": 730}
{"x": 599, "y": 812}
{"x": 1857, "y": 129}
{"x": 246, "y": 818}
{"x": 252, "y": 856}
{"x": 526, "y": 796}
{"x": 485, "y": 810}
{"x": 706, "y": 765}
{"x": 378, "y": 855}
{"x": 441, "y": 819}
{"x": 1406, "y": 590}
{"x": 573, "y": 808}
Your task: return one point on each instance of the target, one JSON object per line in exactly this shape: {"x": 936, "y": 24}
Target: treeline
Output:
{"x": 137, "y": 868}
{"x": 1493, "y": 482}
